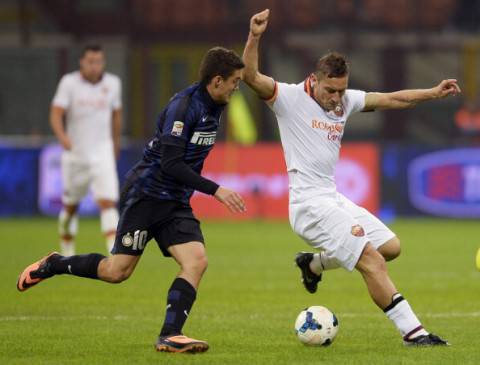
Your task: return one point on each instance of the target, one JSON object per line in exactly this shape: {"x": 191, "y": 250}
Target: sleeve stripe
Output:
{"x": 272, "y": 98}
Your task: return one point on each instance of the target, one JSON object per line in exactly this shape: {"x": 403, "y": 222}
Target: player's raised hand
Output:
{"x": 259, "y": 22}
{"x": 446, "y": 88}
{"x": 231, "y": 199}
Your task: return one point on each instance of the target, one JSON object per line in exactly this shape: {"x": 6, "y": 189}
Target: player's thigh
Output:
{"x": 105, "y": 179}
{"x": 180, "y": 231}
{"x": 189, "y": 254}
{"x": 134, "y": 228}
{"x": 75, "y": 178}
{"x": 326, "y": 226}
{"x": 377, "y": 232}
{"x": 141, "y": 219}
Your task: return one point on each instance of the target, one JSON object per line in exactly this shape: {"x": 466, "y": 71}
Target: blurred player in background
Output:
{"x": 311, "y": 118}
{"x": 86, "y": 117}
{"x": 155, "y": 200}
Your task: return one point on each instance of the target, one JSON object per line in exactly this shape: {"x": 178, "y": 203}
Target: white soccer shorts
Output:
{"x": 78, "y": 174}
{"x": 337, "y": 226}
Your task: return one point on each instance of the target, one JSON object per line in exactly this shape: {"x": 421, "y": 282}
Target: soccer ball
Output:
{"x": 316, "y": 326}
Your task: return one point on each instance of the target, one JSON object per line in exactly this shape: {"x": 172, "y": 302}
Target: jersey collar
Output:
{"x": 206, "y": 98}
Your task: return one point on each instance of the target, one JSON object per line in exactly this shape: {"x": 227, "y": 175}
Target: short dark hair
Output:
{"x": 92, "y": 48}
{"x": 333, "y": 64}
{"x": 219, "y": 61}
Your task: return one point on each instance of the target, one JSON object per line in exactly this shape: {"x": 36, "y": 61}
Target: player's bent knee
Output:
{"x": 118, "y": 276}
{"x": 391, "y": 249}
{"x": 197, "y": 265}
{"x": 371, "y": 262}
{"x": 115, "y": 269}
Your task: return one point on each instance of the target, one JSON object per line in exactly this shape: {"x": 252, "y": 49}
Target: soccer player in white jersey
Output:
{"x": 311, "y": 118}
{"x": 85, "y": 115}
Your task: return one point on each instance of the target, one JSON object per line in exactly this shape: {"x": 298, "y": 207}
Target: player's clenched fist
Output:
{"x": 259, "y": 22}
{"x": 231, "y": 199}
{"x": 446, "y": 88}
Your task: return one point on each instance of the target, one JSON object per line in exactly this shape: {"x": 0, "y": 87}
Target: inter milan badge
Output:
{"x": 358, "y": 231}
{"x": 127, "y": 240}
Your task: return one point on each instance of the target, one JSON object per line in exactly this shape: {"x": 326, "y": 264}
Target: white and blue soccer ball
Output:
{"x": 316, "y": 326}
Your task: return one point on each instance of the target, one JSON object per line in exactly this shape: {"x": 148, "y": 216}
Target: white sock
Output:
{"x": 67, "y": 227}
{"x": 109, "y": 241}
{"x": 401, "y": 314}
{"x": 108, "y": 223}
{"x": 67, "y": 247}
{"x": 322, "y": 262}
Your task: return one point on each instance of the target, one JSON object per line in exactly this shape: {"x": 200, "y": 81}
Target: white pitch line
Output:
{"x": 126, "y": 318}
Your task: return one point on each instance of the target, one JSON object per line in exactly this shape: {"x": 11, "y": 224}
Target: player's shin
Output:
{"x": 179, "y": 302}
{"x": 79, "y": 265}
{"x": 67, "y": 229}
{"x": 108, "y": 222}
{"x": 401, "y": 314}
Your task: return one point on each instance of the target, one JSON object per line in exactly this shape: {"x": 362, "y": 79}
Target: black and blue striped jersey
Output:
{"x": 186, "y": 129}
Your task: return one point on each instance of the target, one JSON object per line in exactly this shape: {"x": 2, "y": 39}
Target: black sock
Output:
{"x": 79, "y": 265}
{"x": 181, "y": 296}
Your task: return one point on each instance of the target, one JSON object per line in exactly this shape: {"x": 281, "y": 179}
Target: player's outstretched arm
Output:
{"x": 263, "y": 85}
{"x": 404, "y": 99}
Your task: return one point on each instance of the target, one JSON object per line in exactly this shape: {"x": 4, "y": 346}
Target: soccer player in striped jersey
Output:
{"x": 155, "y": 200}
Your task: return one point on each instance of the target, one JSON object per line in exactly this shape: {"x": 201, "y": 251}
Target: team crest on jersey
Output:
{"x": 358, "y": 231}
{"x": 336, "y": 113}
{"x": 177, "y": 128}
{"x": 127, "y": 240}
{"x": 204, "y": 138}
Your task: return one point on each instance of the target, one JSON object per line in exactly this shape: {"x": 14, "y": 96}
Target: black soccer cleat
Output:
{"x": 35, "y": 273}
{"x": 180, "y": 343}
{"x": 426, "y": 340}
{"x": 309, "y": 279}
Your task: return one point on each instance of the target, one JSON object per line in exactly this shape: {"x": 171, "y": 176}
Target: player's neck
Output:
{"x": 91, "y": 80}
{"x": 211, "y": 93}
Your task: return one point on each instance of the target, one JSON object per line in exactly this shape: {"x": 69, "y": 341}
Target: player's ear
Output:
{"x": 217, "y": 81}
{"x": 313, "y": 79}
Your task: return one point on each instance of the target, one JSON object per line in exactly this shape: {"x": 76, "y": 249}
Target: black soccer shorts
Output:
{"x": 143, "y": 218}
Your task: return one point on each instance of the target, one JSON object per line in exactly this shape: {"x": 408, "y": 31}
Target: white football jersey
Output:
{"x": 89, "y": 111}
{"x": 311, "y": 137}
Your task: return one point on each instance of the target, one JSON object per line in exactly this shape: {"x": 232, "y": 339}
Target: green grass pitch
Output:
{"x": 247, "y": 303}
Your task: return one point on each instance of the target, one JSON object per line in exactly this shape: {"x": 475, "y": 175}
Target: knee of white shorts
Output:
{"x": 67, "y": 224}
{"x": 109, "y": 220}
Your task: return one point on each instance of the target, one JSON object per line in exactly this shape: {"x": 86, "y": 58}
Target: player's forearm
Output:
{"x": 409, "y": 98}
{"x": 56, "y": 122}
{"x": 250, "y": 58}
{"x": 174, "y": 166}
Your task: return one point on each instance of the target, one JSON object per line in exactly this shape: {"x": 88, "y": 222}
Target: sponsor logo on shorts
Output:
{"x": 204, "y": 138}
{"x": 177, "y": 128}
{"x": 358, "y": 231}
